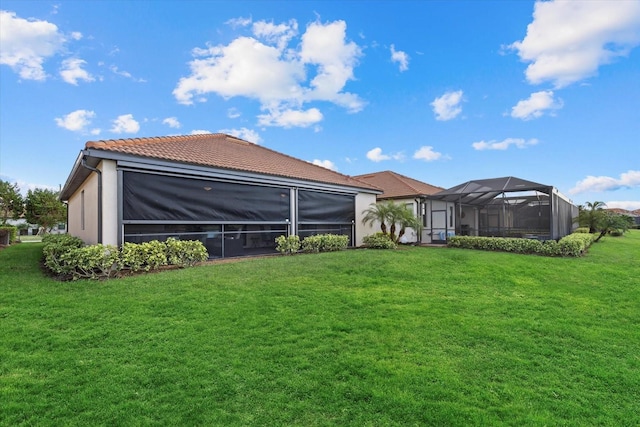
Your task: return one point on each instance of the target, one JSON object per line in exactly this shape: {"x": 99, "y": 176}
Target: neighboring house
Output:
{"x": 504, "y": 207}
{"x": 404, "y": 190}
{"x": 233, "y": 195}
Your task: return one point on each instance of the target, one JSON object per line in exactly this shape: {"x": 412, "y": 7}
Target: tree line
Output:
{"x": 41, "y": 206}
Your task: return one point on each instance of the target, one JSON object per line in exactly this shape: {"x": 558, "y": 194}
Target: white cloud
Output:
{"x": 400, "y": 57}
{"x": 72, "y": 71}
{"x": 172, "y": 122}
{"x": 375, "y": 155}
{"x": 568, "y": 40}
{"x": 26, "y": 44}
{"x": 233, "y": 113}
{"x": 117, "y": 71}
{"x": 427, "y": 154}
{"x": 630, "y": 179}
{"x": 504, "y": 144}
{"x": 328, "y": 164}
{"x": 447, "y": 107}
{"x": 200, "y": 132}
{"x": 535, "y": 105}
{"x": 244, "y": 133}
{"x": 282, "y": 79}
{"x": 76, "y": 121}
{"x": 125, "y": 124}
{"x": 290, "y": 118}
{"x": 76, "y": 35}
{"x": 630, "y": 205}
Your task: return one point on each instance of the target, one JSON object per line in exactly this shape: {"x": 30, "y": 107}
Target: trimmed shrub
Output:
{"x": 581, "y": 230}
{"x": 185, "y": 253}
{"x": 288, "y": 245}
{"x": 56, "y": 245}
{"x": 379, "y": 240}
{"x": 324, "y": 243}
{"x": 572, "y": 245}
{"x": 92, "y": 262}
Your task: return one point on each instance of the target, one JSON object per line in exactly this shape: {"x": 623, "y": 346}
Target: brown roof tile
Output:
{"x": 396, "y": 186}
{"x": 225, "y": 152}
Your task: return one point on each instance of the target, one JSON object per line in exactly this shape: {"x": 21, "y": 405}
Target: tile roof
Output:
{"x": 397, "y": 186}
{"x": 225, "y": 152}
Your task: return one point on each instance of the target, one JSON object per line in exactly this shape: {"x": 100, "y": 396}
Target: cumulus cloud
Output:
{"x": 233, "y": 113}
{"x": 535, "y": 106}
{"x": 125, "y": 124}
{"x": 568, "y": 40}
{"x": 447, "y": 106}
{"x": 76, "y": 121}
{"x": 244, "y": 133}
{"x": 427, "y": 154}
{"x": 290, "y": 118}
{"x": 630, "y": 179}
{"x": 172, "y": 122}
{"x": 376, "y": 155}
{"x": 200, "y": 132}
{"x": 504, "y": 144}
{"x": 400, "y": 57}
{"x": 328, "y": 164}
{"x": 26, "y": 44}
{"x": 72, "y": 71}
{"x": 281, "y": 78}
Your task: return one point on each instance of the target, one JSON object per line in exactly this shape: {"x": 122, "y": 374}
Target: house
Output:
{"x": 404, "y": 190}
{"x": 502, "y": 207}
{"x": 233, "y": 195}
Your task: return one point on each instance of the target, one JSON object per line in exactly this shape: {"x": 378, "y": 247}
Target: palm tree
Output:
{"x": 591, "y": 214}
{"x": 393, "y": 215}
{"x": 377, "y": 212}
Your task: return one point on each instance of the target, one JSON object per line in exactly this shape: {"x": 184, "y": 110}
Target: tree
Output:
{"x": 393, "y": 215}
{"x": 43, "y": 207}
{"x": 611, "y": 221}
{"x": 11, "y": 203}
{"x": 591, "y": 214}
{"x": 377, "y": 212}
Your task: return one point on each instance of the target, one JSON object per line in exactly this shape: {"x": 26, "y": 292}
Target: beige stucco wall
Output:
{"x": 363, "y": 200}
{"x": 88, "y": 231}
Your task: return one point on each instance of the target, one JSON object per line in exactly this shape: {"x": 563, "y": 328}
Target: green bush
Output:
{"x": 324, "y": 243}
{"x": 379, "y": 240}
{"x": 92, "y": 262}
{"x": 572, "y": 245}
{"x": 288, "y": 245}
{"x": 56, "y": 245}
{"x": 11, "y": 230}
{"x": 581, "y": 230}
{"x": 185, "y": 253}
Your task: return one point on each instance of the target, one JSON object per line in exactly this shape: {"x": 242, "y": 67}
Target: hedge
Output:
{"x": 572, "y": 245}
{"x": 69, "y": 258}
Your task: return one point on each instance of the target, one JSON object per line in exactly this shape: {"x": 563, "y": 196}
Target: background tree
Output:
{"x": 43, "y": 207}
{"x": 11, "y": 203}
{"x": 591, "y": 214}
{"x": 611, "y": 221}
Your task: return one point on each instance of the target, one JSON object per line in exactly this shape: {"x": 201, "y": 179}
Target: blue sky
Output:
{"x": 443, "y": 92}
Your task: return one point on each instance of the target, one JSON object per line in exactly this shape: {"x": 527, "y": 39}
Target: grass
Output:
{"x": 417, "y": 336}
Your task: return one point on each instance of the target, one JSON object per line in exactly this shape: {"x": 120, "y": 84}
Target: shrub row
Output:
{"x": 379, "y": 240}
{"x": 573, "y": 245}
{"x": 288, "y": 245}
{"x": 67, "y": 256}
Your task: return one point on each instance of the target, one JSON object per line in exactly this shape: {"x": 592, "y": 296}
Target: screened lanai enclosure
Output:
{"x": 231, "y": 219}
{"x": 504, "y": 207}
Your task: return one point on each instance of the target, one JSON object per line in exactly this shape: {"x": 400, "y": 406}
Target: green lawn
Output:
{"x": 418, "y": 336}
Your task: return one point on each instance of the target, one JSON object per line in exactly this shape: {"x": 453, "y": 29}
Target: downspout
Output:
{"x": 99, "y": 173}
{"x": 419, "y": 216}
